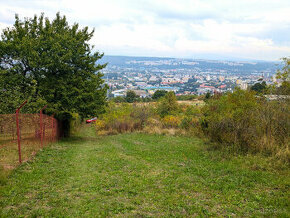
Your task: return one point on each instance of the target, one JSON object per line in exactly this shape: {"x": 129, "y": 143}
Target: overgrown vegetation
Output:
{"x": 241, "y": 121}
{"x": 284, "y": 78}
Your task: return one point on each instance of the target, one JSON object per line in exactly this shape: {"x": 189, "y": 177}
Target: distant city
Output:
{"x": 145, "y": 75}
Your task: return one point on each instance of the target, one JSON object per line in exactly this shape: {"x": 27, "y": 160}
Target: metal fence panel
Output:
{"x": 35, "y": 132}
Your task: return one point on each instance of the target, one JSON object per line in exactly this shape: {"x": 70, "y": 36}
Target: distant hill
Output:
{"x": 198, "y": 64}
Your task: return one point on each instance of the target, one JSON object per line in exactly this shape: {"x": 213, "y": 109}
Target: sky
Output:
{"x": 209, "y": 29}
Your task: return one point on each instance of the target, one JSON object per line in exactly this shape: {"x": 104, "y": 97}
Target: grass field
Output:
{"x": 143, "y": 175}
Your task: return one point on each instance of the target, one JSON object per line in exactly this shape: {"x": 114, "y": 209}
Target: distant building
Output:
{"x": 243, "y": 85}
{"x": 166, "y": 88}
{"x": 221, "y": 78}
{"x": 202, "y": 91}
{"x": 185, "y": 79}
{"x": 141, "y": 84}
{"x": 222, "y": 86}
{"x": 153, "y": 79}
{"x": 120, "y": 92}
{"x": 141, "y": 93}
{"x": 276, "y": 97}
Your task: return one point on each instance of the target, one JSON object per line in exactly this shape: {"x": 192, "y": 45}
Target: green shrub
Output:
{"x": 192, "y": 111}
{"x": 119, "y": 99}
{"x": 140, "y": 113}
{"x": 100, "y": 125}
{"x": 251, "y": 124}
{"x": 75, "y": 123}
{"x": 171, "y": 121}
{"x": 153, "y": 122}
{"x": 168, "y": 105}
{"x": 186, "y": 122}
{"x": 124, "y": 117}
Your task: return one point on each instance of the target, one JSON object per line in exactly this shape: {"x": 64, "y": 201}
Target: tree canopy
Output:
{"x": 168, "y": 104}
{"x": 131, "y": 96}
{"x": 259, "y": 87}
{"x": 50, "y": 62}
{"x": 158, "y": 94}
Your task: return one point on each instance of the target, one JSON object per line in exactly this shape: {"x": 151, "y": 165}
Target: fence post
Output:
{"x": 55, "y": 130}
{"x": 52, "y": 128}
{"x": 18, "y": 131}
{"x": 41, "y": 126}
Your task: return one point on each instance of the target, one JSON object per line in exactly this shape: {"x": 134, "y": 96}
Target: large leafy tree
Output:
{"x": 50, "y": 62}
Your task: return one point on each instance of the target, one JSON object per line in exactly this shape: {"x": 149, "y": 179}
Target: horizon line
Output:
{"x": 207, "y": 59}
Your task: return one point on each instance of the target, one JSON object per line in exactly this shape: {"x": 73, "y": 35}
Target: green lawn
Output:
{"x": 143, "y": 175}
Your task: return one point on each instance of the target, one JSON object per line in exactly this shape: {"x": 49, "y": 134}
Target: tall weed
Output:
{"x": 248, "y": 123}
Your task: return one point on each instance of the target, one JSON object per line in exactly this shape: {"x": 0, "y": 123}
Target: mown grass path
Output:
{"x": 142, "y": 175}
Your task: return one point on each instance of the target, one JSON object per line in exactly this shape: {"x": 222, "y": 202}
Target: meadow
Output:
{"x": 137, "y": 174}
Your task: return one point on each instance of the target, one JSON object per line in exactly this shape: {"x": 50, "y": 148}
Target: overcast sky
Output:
{"x": 214, "y": 29}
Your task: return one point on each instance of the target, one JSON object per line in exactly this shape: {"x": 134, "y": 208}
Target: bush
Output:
{"x": 168, "y": 105}
{"x": 186, "y": 123}
{"x": 140, "y": 113}
{"x": 119, "y": 99}
{"x": 153, "y": 122}
{"x": 171, "y": 121}
{"x": 100, "y": 125}
{"x": 192, "y": 111}
{"x": 124, "y": 117}
{"x": 240, "y": 119}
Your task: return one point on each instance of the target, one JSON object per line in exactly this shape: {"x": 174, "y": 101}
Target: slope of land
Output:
{"x": 145, "y": 175}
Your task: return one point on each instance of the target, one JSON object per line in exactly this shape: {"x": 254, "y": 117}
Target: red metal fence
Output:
{"x": 23, "y": 135}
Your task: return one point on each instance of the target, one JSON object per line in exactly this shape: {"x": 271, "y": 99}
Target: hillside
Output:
{"x": 147, "y": 63}
{"x": 143, "y": 175}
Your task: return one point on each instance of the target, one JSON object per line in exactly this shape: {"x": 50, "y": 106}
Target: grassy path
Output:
{"x": 145, "y": 175}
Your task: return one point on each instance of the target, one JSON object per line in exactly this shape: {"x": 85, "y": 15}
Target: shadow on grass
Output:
{"x": 3, "y": 176}
{"x": 78, "y": 139}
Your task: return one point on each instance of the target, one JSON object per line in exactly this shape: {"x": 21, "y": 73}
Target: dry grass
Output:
{"x": 195, "y": 102}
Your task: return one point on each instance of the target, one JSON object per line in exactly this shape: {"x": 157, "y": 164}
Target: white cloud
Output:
{"x": 183, "y": 28}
